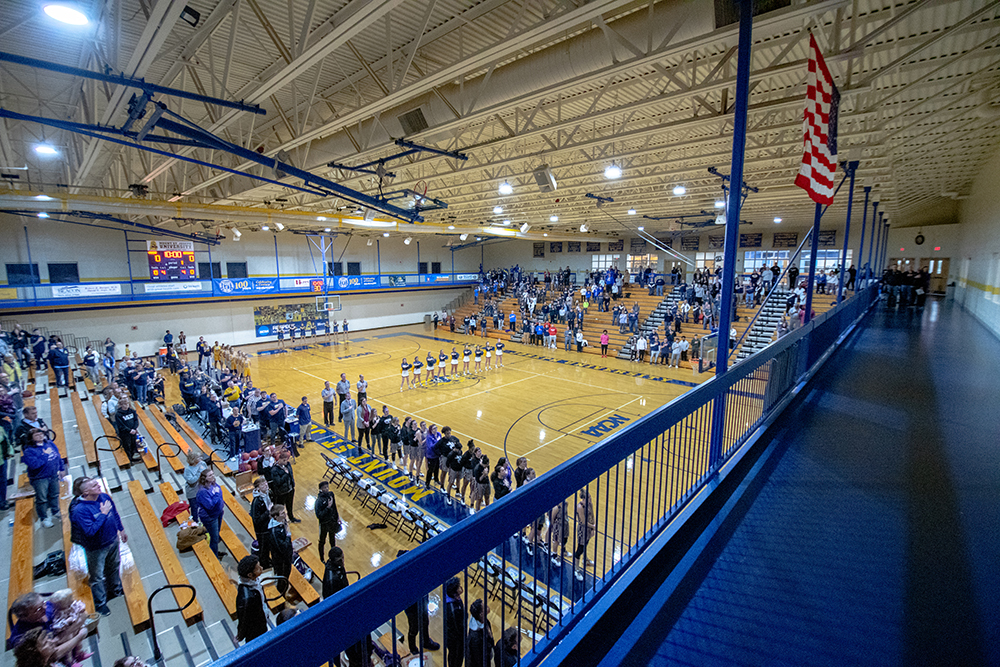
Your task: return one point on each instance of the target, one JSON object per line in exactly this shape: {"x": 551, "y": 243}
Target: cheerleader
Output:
{"x": 405, "y": 368}
{"x": 430, "y": 367}
{"x": 406, "y": 434}
{"x": 442, "y": 364}
{"x": 454, "y": 362}
{"x": 418, "y": 368}
{"x": 346, "y": 339}
{"x": 465, "y": 360}
{"x": 489, "y": 355}
{"x": 336, "y": 332}
{"x": 481, "y": 490}
{"x": 418, "y": 451}
{"x": 499, "y": 354}
{"x": 479, "y": 359}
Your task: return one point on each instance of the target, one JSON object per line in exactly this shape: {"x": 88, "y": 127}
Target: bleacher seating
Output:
{"x": 23, "y": 544}
{"x": 83, "y": 429}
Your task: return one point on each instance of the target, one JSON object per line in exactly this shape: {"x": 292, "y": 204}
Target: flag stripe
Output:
{"x": 819, "y": 129}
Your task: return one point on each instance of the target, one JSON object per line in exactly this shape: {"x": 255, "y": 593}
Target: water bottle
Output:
{"x": 141, "y": 445}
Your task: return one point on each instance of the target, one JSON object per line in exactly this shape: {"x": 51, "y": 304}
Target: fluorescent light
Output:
{"x": 500, "y": 231}
{"x": 720, "y": 204}
{"x": 264, "y": 228}
{"x": 405, "y": 241}
{"x": 43, "y": 198}
{"x": 525, "y": 227}
{"x": 43, "y": 214}
{"x": 506, "y": 188}
{"x": 46, "y": 149}
{"x": 612, "y": 171}
{"x": 237, "y": 234}
{"x": 584, "y": 227}
{"x": 279, "y": 226}
{"x": 720, "y": 219}
{"x": 370, "y": 223}
{"x": 385, "y": 234}
{"x": 777, "y": 220}
{"x": 631, "y": 211}
{"x": 321, "y": 219}
{"x": 327, "y": 229}
{"x": 370, "y": 242}
{"x": 506, "y": 222}
{"x": 679, "y": 190}
{"x": 497, "y": 210}
{"x": 463, "y": 237}
{"x": 66, "y": 14}
{"x": 553, "y": 218}
{"x": 546, "y": 234}
{"x": 451, "y": 226}
{"x": 641, "y": 229}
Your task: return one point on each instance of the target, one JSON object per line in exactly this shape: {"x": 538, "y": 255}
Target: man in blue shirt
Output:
{"x": 59, "y": 358}
{"x": 234, "y": 429}
{"x": 304, "y": 414}
{"x": 99, "y": 528}
{"x": 168, "y": 340}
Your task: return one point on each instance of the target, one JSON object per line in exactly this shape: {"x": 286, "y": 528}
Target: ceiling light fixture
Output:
{"x": 525, "y": 227}
{"x": 497, "y": 210}
{"x": 506, "y": 222}
{"x": 777, "y": 220}
{"x": 631, "y": 211}
{"x": 370, "y": 242}
{"x": 584, "y": 228}
{"x": 279, "y": 226}
{"x": 43, "y": 198}
{"x": 463, "y": 237}
{"x": 641, "y": 229}
{"x": 43, "y": 214}
{"x": 451, "y": 226}
{"x": 553, "y": 218}
{"x": 326, "y": 229}
{"x": 506, "y": 188}
{"x": 46, "y": 150}
{"x": 385, "y": 234}
{"x": 406, "y": 240}
{"x": 720, "y": 204}
{"x": 66, "y": 14}
{"x": 612, "y": 171}
{"x": 679, "y": 190}
{"x": 546, "y": 234}
{"x": 264, "y": 228}
{"x": 321, "y": 219}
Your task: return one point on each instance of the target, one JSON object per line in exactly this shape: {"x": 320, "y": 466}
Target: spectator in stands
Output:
{"x": 508, "y": 648}
{"x": 44, "y": 464}
{"x": 192, "y": 473}
{"x": 32, "y": 612}
{"x": 234, "y": 431}
{"x": 251, "y": 605}
{"x": 281, "y": 545}
{"x": 6, "y": 453}
{"x": 585, "y": 526}
{"x": 283, "y": 483}
{"x": 211, "y": 508}
{"x": 59, "y": 358}
{"x": 130, "y": 661}
{"x": 480, "y": 653}
{"x": 335, "y": 575}
{"x": 38, "y": 648}
{"x": 260, "y": 514}
{"x": 100, "y": 528}
{"x": 66, "y": 620}
{"x": 418, "y": 623}
{"x": 348, "y": 412}
{"x": 454, "y": 622}
{"x": 303, "y": 414}
{"x": 30, "y": 422}
{"x": 127, "y": 427}
{"x": 328, "y": 516}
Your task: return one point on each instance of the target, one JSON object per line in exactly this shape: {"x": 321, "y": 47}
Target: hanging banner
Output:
{"x": 637, "y": 246}
{"x": 352, "y": 282}
{"x": 616, "y": 246}
{"x": 75, "y": 291}
{"x": 667, "y": 241}
{"x": 302, "y": 318}
{"x": 827, "y": 238}
{"x": 785, "y": 240}
{"x": 572, "y": 246}
{"x": 751, "y": 240}
{"x": 555, "y": 246}
{"x": 690, "y": 243}
{"x": 247, "y": 286}
{"x": 538, "y": 249}
{"x": 716, "y": 242}
{"x": 593, "y": 247}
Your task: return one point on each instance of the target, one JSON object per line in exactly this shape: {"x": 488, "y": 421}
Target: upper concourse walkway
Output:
{"x": 874, "y": 539}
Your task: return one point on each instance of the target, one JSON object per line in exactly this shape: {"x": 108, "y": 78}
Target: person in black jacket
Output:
{"x": 283, "y": 483}
{"x": 508, "y": 648}
{"x": 127, "y": 427}
{"x": 260, "y": 513}
{"x": 251, "y": 617}
{"x": 480, "y": 653}
{"x": 329, "y": 517}
{"x": 281, "y": 545}
{"x": 335, "y": 576}
{"x": 383, "y": 429}
{"x": 418, "y": 623}
{"x": 454, "y": 622}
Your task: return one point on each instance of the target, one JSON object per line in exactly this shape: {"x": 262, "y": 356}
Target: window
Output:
{"x": 825, "y": 260}
{"x": 422, "y": 268}
{"x": 64, "y": 274}
{"x": 435, "y": 267}
{"x": 758, "y": 259}
{"x": 236, "y": 269}
{"x": 637, "y": 263}
{"x": 703, "y": 260}
{"x": 603, "y": 262}
{"x": 207, "y": 270}
{"x": 335, "y": 268}
{"x": 22, "y": 274}
{"x": 354, "y": 268}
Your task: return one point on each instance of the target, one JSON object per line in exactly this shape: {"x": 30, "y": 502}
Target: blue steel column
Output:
{"x": 860, "y": 277}
{"x": 885, "y": 243}
{"x": 852, "y": 168}
{"x": 878, "y": 249}
{"x": 131, "y": 283}
{"x": 31, "y": 272}
{"x": 742, "y": 100}
{"x": 211, "y": 271}
{"x": 871, "y": 242}
{"x": 277, "y": 265}
{"x": 813, "y": 251}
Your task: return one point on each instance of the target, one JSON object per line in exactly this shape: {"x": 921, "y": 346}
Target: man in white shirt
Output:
{"x": 675, "y": 354}
{"x": 641, "y": 346}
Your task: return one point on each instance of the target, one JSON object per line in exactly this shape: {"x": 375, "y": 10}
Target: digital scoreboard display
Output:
{"x": 171, "y": 260}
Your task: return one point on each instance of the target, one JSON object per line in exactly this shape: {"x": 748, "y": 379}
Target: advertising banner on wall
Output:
{"x": 466, "y": 277}
{"x": 437, "y": 278}
{"x": 164, "y": 288}
{"x": 302, "y": 318}
{"x": 352, "y": 282}
{"x": 77, "y": 291}
{"x": 247, "y": 286}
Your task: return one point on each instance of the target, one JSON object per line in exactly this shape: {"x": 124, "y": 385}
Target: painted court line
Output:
{"x": 596, "y": 419}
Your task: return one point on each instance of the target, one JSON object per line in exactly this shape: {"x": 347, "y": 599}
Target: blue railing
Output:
{"x": 637, "y": 482}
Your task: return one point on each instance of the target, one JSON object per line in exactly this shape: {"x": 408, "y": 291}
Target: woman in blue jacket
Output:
{"x": 44, "y": 465}
{"x": 211, "y": 507}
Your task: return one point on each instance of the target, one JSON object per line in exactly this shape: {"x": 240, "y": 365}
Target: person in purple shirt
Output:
{"x": 211, "y": 508}
{"x": 99, "y": 527}
{"x": 433, "y": 462}
{"x": 44, "y": 465}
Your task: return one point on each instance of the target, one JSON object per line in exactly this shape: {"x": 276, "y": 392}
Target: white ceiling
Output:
{"x": 516, "y": 84}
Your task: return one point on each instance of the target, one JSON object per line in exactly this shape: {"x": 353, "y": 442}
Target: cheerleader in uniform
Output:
{"x": 454, "y": 362}
{"x": 489, "y": 355}
{"x": 430, "y": 367}
{"x": 346, "y": 339}
{"x": 499, "y": 354}
{"x": 465, "y": 359}
{"x": 442, "y": 364}
{"x": 479, "y": 359}
{"x": 418, "y": 368}
{"x": 405, "y": 382}
{"x": 336, "y": 332}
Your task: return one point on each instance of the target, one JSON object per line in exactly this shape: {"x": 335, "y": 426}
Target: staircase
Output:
{"x": 653, "y": 321}
{"x": 765, "y": 327}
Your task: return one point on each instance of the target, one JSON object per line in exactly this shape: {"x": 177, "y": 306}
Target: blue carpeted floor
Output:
{"x": 875, "y": 540}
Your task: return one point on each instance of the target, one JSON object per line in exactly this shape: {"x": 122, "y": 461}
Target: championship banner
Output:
{"x": 538, "y": 249}
{"x": 716, "y": 242}
{"x": 785, "y": 240}
{"x": 692, "y": 242}
{"x": 593, "y": 246}
{"x": 572, "y": 246}
{"x": 827, "y": 239}
{"x": 751, "y": 240}
{"x": 616, "y": 246}
{"x": 555, "y": 246}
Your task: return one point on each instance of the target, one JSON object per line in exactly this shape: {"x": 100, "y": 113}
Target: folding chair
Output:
{"x": 410, "y": 516}
{"x": 360, "y": 489}
{"x": 331, "y": 469}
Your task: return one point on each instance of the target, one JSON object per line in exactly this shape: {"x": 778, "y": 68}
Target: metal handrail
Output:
{"x": 159, "y": 469}
{"x": 101, "y": 449}
{"x": 157, "y": 655}
{"x": 274, "y": 579}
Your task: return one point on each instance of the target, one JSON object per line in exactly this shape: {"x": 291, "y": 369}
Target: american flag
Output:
{"x": 819, "y": 124}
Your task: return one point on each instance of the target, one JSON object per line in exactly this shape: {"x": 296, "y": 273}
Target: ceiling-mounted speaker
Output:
{"x": 412, "y": 121}
{"x": 369, "y": 214}
{"x": 544, "y": 178}
{"x": 281, "y": 156}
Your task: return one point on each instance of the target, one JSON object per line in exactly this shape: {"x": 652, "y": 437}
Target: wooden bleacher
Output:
{"x": 213, "y": 568}
{"x": 75, "y": 578}
{"x": 83, "y": 428}
{"x": 172, "y": 456}
{"x": 305, "y": 590}
{"x": 203, "y": 446}
{"x": 169, "y": 561}
{"x": 55, "y": 416}
{"x": 23, "y": 543}
{"x": 86, "y": 376}
{"x": 121, "y": 458}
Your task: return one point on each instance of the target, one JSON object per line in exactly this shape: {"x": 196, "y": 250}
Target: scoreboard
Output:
{"x": 171, "y": 260}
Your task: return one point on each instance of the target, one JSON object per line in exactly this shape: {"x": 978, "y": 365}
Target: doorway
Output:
{"x": 939, "y": 274}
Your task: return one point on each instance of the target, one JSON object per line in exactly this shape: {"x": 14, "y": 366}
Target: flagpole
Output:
{"x": 813, "y": 251}
{"x": 851, "y": 168}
